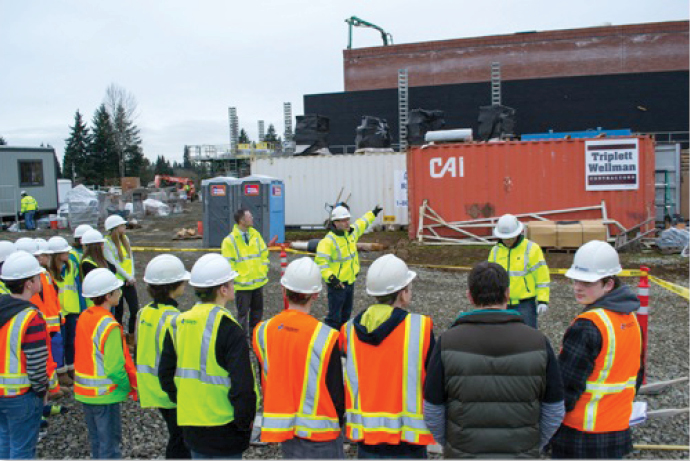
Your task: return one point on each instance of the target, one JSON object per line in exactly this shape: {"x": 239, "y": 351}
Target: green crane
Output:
{"x": 357, "y": 22}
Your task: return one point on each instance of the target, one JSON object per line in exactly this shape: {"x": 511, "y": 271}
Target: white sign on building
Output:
{"x": 400, "y": 184}
{"x": 612, "y": 164}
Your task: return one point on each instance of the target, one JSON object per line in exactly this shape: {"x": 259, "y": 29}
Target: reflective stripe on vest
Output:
{"x": 201, "y": 375}
{"x": 3, "y": 289}
{"x": 305, "y": 422}
{"x": 150, "y": 339}
{"x": 606, "y": 403}
{"x": 68, "y": 292}
{"x": 598, "y": 388}
{"x": 126, "y": 261}
{"x": 13, "y": 377}
{"x": 252, "y": 272}
{"x": 409, "y": 423}
{"x": 98, "y": 383}
{"x": 202, "y": 384}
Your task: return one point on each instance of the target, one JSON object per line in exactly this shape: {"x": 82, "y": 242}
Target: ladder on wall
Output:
{"x": 403, "y": 108}
{"x": 495, "y": 83}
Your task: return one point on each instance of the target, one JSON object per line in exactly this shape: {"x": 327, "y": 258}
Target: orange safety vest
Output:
{"x": 384, "y": 384}
{"x": 14, "y": 379}
{"x": 48, "y": 303}
{"x": 607, "y": 402}
{"x": 294, "y": 350}
{"x": 93, "y": 327}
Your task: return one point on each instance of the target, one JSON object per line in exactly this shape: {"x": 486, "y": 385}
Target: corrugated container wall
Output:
{"x": 480, "y": 180}
{"x": 314, "y": 181}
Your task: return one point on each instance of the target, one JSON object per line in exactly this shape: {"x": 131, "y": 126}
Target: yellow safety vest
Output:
{"x": 337, "y": 254}
{"x": 249, "y": 260}
{"x": 28, "y": 204}
{"x": 153, "y": 322}
{"x": 68, "y": 293}
{"x": 525, "y": 264}
{"x": 126, "y": 262}
{"x": 3, "y": 288}
{"x": 202, "y": 384}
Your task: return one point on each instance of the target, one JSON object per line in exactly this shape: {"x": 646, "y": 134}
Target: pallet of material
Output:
{"x": 561, "y": 235}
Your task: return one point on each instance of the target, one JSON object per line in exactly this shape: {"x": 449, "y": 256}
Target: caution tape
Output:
{"x": 624, "y": 273}
{"x": 672, "y": 287}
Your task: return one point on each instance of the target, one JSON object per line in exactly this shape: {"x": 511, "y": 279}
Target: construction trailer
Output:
{"x": 32, "y": 169}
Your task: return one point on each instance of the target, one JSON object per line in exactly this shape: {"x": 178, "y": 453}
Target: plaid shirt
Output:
{"x": 582, "y": 343}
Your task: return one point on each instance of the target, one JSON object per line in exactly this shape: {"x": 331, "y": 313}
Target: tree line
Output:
{"x": 111, "y": 147}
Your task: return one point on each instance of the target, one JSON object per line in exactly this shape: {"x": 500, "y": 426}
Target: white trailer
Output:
{"x": 314, "y": 182}
{"x": 31, "y": 169}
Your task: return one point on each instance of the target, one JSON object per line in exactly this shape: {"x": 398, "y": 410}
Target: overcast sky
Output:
{"x": 186, "y": 62}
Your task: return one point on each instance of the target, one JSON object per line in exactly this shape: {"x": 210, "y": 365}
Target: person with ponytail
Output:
{"x": 119, "y": 253}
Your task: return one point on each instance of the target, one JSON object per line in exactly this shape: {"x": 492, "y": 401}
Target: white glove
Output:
{"x": 542, "y": 308}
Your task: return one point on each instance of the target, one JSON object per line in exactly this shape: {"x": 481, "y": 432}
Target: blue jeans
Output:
{"x": 29, "y": 220}
{"x": 197, "y": 455}
{"x": 528, "y": 309}
{"x": 339, "y": 306}
{"x": 20, "y": 418}
{"x": 105, "y": 430}
{"x": 58, "y": 350}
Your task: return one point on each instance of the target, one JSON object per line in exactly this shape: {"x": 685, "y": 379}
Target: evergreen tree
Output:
{"x": 102, "y": 161}
{"x": 186, "y": 160}
{"x": 58, "y": 171}
{"x": 127, "y": 143}
{"x": 77, "y": 149}
{"x": 2, "y": 141}
{"x": 271, "y": 135}
{"x": 244, "y": 137}
{"x": 162, "y": 166}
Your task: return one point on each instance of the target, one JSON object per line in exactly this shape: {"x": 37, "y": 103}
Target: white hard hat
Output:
{"x": 58, "y": 245}
{"x": 26, "y": 244}
{"x": 6, "y": 249}
{"x": 165, "y": 269}
{"x": 92, "y": 236}
{"x": 339, "y": 212}
{"x": 43, "y": 247}
{"x": 20, "y": 265}
{"x": 302, "y": 276}
{"x": 593, "y": 261}
{"x": 211, "y": 270}
{"x": 99, "y": 282}
{"x": 114, "y": 220}
{"x": 508, "y": 227}
{"x": 81, "y": 230}
{"x": 387, "y": 275}
{"x": 24, "y": 193}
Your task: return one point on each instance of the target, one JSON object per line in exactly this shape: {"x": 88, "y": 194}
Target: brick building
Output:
{"x": 630, "y": 76}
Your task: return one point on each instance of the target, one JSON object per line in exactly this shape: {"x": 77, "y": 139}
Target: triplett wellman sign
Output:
{"x": 612, "y": 164}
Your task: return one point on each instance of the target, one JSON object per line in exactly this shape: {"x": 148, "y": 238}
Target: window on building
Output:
{"x": 30, "y": 173}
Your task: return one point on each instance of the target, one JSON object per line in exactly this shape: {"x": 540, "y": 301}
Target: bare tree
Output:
{"x": 122, "y": 108}
{"x": 116, "y": 96}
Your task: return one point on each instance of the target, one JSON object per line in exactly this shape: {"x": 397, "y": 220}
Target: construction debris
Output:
{"x": 187, "y": 234}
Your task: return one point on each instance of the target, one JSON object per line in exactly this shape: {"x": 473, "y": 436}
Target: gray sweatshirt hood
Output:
{"x": 621, "y": 299}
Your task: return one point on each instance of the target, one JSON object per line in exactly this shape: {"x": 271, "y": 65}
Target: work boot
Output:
{"x": 70, "y": 373}
{"x": 53, "y": 410}
{"x": 65, "y": 379}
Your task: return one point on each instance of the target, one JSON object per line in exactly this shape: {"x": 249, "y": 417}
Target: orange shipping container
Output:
{"x": 479, "y": 180}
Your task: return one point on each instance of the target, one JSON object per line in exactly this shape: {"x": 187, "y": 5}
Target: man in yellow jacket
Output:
{"x": 526, "y": 267}
{"x": 247, "y": 253}
{"x": 338, "y": 260}
{"x": 28, "y": 209}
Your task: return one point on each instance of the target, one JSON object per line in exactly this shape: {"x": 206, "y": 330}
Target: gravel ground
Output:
{"x": 440, "y": 294}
